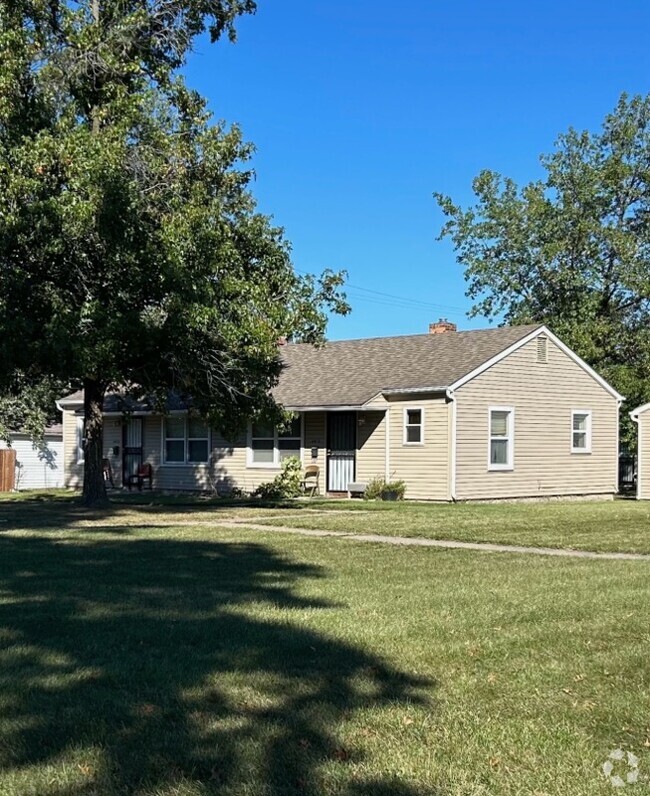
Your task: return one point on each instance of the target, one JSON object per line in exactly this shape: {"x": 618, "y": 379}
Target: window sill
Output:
{"x": 413, "y": 444}
{"x": 580, "y": 451}
{"x": 184, "y": 464}
{"x": 252, "y": 466}
{"x": 504, "y": 468}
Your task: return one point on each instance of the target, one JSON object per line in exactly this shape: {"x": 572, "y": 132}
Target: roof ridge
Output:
{"x": 522, "y": 326}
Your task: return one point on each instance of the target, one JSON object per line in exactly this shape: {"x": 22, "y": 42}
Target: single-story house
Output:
{"x": 506, "y": 412}
{"x": 39, "y": 463}
{"x": 641, "y": 417}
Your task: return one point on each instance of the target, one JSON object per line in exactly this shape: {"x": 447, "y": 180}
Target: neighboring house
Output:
{"x": 641, "y": 417}
{"x": 39, "y": 464}
{"x": 499, "y": 413}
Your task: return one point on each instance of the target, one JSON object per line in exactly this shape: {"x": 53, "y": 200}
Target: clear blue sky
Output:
{"x": 360, "y": 110}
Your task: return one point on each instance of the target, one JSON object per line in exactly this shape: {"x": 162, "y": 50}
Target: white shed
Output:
{"x": 641, "y": 417}
{"x": 39, "y": 465}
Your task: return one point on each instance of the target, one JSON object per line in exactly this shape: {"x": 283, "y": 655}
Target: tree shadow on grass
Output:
{"x": 179, "y": 667}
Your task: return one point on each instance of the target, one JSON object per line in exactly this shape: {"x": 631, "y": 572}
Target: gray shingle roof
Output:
{"x": 351, "y": 372}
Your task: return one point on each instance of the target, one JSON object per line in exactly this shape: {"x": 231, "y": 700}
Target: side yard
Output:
{"x": 610, "y": 526}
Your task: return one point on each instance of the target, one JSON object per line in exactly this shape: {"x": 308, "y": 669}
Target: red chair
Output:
{"x": 145, "y": 473}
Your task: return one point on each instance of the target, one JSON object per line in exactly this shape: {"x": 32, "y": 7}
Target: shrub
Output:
{"x": 374, "y": 488}
{"x": 286, "y": 484}
{"x": 380, "y": 489}
{"x": 394, "y": 490}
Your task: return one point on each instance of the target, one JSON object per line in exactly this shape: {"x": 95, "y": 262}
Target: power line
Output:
{"x": 418, "y": 302}
{"x": 399, "y": 304}
{"x": 392, "y": 300}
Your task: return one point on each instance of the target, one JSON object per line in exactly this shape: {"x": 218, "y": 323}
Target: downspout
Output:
{"x": 617, "y": 486}
{"x": 452, "y": 476}
{"x": 387, "y": 443}
{"x": 639, "y": 444}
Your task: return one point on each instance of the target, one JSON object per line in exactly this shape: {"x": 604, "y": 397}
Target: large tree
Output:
{"x": 131, "y": 252}
{"x": 572, "y": 249}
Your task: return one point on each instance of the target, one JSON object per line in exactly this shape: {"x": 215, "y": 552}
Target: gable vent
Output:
{"x": 542, "y": 349}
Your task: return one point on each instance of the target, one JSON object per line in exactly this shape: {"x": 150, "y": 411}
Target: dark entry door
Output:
{"x": 341, "y": 446}
{"x": 131, "y": 448}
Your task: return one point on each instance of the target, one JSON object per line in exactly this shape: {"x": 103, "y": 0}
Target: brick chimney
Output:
{"x": 442, "y": 326}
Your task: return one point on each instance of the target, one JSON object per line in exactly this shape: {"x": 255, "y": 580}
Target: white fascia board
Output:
{"x": 334, "y": 408}
{"x": 634, "y": 414}
{"x": 62, "y": 404}
{"x": 526, "y": 339}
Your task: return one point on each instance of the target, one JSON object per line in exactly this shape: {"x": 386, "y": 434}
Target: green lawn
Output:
{"x": 139, "y": 656}
{"x": 618, "y": 525}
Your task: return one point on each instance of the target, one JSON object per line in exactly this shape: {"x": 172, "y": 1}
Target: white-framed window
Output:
{"x": 581, "y": 431}
{"x": 186, "y": 440}
{"x": 80, "y": 440}
{"x": 413, "y": 425}
{"x": 501, "y": 433}
{"x": 268, "y": 446}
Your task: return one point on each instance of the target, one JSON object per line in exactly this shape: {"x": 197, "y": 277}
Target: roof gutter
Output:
{"x": 412, "y": 390}
{"x": 62, "y": 404}
{"x": 332, "y": 408}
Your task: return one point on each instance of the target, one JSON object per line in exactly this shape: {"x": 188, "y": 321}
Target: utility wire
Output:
{"x": 391, "y": 300}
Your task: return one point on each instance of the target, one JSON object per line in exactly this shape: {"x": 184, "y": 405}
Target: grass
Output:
{"x": 618, "y": 525}
{"x": 142, "y": 654}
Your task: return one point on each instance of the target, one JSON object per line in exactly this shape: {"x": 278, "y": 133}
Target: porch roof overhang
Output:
{"x": 328, "y": 408}
{"x": 391, "y": 391}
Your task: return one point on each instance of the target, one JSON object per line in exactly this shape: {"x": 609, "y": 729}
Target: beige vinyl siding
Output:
{"x": 113, "y": 439}
{"x": 543, "y": 396}
{"x": 227, "y": 468}
{"x": 315, "y": 436}
{"x": 73, "y": 472}
{"x": 371, "y": 446}
{"x": 228, "y": 459}
{"x": 643, "y": 467}
{"x": 424, "y": 468}
{"x": 171, "y": 476}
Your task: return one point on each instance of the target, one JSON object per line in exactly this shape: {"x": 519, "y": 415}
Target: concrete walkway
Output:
{"x": 483, "y": 547}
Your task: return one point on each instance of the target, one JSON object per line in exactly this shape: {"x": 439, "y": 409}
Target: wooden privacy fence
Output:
{"x": 7, "y": 470}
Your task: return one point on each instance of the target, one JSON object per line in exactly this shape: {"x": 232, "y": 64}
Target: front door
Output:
{"x": 341, "y": 448}
{"x": 131, "y": 448}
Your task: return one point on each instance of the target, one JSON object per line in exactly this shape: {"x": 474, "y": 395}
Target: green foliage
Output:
{"x": 380, "y": 489}
{"x": 374, "y": 488}
{"x": 28, "y": 406}
{"x": 573, "y": 249}
{"x": 394, "y": 490}
{"x": 131, "y": 251}
{"x": 286, "y": 484}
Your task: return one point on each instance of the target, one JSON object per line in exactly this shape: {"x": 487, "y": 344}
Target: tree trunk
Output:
{"x": 94, "y": 490}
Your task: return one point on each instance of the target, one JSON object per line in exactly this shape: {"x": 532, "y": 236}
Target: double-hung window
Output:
{"x": 186, "y": 440}
{"x": 501, "y": 421}
{"x": 581, "y": 431}
{"x": 270, "y": 446}
{"x": 413, "y": 426}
